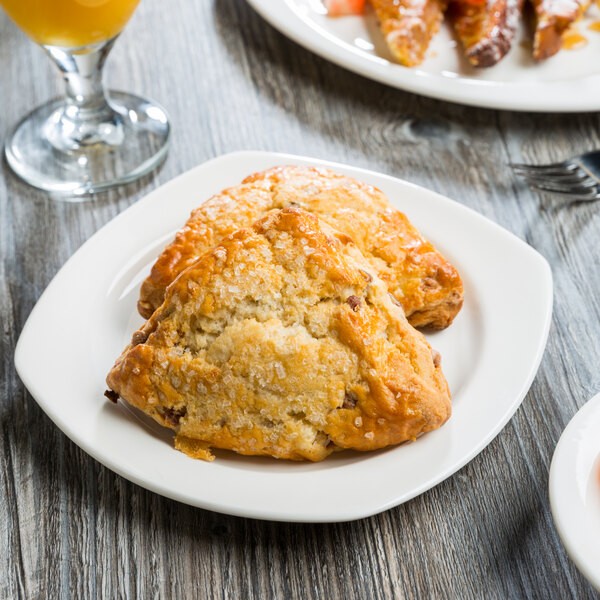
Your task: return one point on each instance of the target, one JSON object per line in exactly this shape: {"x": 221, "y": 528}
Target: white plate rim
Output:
{"x": 27, "y": 338}
{"x": 565, "y": 501}
{"x": 579, "y": 95}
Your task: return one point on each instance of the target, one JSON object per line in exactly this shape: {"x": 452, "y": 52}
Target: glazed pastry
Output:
{"x": 486, "y": 29}
{"x": 408, "y": 26}
{"x": 282, "y": 341}
{"x": 426, "y": 284}
{"x": 552, "y": 19}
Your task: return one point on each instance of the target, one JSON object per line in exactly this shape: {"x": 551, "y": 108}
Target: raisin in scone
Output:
{"x": 426, "y": 284}
{"x": 283, "y": 341}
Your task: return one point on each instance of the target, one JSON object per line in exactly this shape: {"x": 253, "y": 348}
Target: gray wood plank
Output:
{"x": 71, "y": 528}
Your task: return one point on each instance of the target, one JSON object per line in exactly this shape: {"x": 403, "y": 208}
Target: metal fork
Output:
{"x": 578, "y": 177}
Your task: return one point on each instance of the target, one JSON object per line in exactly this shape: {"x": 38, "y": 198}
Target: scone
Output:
{"x": 426, "y": 284}
{"x": 282, "y": 341}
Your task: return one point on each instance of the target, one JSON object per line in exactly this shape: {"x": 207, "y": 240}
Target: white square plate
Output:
{"x": 566, "y": 82}
{"x": 88, "y": 312}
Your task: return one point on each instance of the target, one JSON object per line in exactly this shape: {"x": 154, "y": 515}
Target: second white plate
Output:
{"x": 88, "y": 312}
{"x": 575, "y": 489}
{"x": 567, "y": 82}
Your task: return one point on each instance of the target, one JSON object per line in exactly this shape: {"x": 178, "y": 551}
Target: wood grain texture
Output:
{"x": 69, "y": 528}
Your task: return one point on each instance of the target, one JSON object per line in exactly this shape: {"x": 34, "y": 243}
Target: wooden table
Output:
{"x": 70, "y": 528}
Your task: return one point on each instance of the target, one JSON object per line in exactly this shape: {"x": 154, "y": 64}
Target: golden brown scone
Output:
{"x": 552, "y": 19}
{"x": 426, "y": 284}
{"x": 408, "y": 26}
{"x": 485, "y": 30}
{"x": 283, "y": 341}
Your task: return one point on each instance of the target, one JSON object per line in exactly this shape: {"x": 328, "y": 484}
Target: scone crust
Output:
{"x": 426, "y": 284}
{"x": 282, "y": 341}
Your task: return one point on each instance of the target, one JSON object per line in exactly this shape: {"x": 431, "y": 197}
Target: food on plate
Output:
{"x": 428, "y": 287}
{"x": 339, "y": 8}
{"x": 283, "y": 341}
{"x": 408, "y": 26}
{"x": 552, "y": 20}
{"x": 486, "y": 30}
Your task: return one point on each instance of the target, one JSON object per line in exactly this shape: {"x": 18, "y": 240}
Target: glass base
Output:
{"x": 136, "y": 141}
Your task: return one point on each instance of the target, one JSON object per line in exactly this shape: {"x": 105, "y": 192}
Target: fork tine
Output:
{"x": 581, "y": 186}
{"x": 584, "y": 198}
{"x": 564, "y": 189}
{"x": 558, "y": 169}
{"x": 590, "y": 194}
{"x": 572, "y": 177}
{"x": 559, "y": 166}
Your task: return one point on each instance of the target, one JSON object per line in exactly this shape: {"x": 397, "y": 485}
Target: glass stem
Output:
{"x": 86, "y": 118}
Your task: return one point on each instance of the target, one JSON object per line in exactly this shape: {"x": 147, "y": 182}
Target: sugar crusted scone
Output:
{"x": 426, "y": 284}
{"x": 283, "y": 341}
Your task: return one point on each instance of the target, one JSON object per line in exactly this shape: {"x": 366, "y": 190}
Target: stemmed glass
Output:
{"x": 87, "y": 141}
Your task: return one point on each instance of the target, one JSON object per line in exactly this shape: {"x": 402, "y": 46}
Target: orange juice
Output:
{"x": 70, "y": 23}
